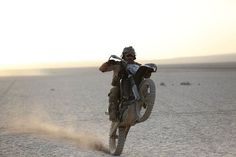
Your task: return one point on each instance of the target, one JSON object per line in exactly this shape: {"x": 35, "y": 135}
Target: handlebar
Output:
{"x": 116, "y": 57}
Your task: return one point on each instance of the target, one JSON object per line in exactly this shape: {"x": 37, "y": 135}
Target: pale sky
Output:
{"x": 79, "y": 30}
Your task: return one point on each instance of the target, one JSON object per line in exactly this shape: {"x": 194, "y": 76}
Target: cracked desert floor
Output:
{"x": 60, "y": 113}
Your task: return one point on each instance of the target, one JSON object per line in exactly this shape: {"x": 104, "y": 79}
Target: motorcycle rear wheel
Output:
{"x": 147, "y": 90}
{"x": 117, "y": 142}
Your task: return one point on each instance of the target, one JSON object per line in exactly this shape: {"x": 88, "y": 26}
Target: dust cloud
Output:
{"x": 37, "y": 126}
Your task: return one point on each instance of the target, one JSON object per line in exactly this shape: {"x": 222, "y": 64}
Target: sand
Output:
{"x": 60, "y": 112}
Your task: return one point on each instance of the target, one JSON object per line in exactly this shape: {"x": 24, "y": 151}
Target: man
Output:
{"x": 129, "y": 56}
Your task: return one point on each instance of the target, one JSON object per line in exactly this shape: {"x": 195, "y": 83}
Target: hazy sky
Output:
{"x": 73, "y": 30}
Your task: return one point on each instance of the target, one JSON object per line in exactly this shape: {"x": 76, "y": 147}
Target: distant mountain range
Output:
{"x": 224, "y": 58}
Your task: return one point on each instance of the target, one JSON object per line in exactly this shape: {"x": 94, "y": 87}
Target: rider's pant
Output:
{"x": 113, "y": 102}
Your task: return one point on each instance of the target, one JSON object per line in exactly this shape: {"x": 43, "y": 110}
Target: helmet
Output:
{"x": 129, "y": 49}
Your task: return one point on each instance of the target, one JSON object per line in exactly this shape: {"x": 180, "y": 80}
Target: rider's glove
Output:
{"x": 111, "y": 62}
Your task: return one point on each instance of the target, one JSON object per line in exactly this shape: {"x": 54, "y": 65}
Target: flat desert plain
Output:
{"x": 60, "y": 112}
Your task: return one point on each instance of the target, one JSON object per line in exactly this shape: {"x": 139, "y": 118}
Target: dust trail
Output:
{"x": 83, "y": 139}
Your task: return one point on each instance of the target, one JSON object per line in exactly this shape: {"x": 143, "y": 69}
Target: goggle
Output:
{"x": 129, "y": 55}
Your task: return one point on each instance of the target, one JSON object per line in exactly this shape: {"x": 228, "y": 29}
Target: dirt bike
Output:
{"x": 137, "y": 97}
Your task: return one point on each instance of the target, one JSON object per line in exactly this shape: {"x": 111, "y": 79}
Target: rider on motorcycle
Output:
{"x": 129, "y": 56}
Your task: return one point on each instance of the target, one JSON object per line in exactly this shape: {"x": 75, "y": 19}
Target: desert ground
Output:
{"x": 60, "y": 112}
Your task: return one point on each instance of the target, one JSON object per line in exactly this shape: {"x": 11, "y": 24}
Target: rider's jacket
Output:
{"x": 118, "y": 70}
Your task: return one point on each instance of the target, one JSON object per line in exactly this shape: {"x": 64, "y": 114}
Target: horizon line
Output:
{"x": 96, "y": 63}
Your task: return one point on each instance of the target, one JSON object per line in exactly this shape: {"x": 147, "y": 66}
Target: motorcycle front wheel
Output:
{"x": 147, "y": 92}
{"x": 117, "y": 139}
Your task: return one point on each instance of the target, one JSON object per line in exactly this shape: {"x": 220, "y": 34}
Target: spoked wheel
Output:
{"x": 117, "y": 139}
{"x": 147, "y": 91}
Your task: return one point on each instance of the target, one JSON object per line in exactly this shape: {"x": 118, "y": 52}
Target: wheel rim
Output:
{"x": 147, "y": 93}
{"x": 116, "y": 142}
